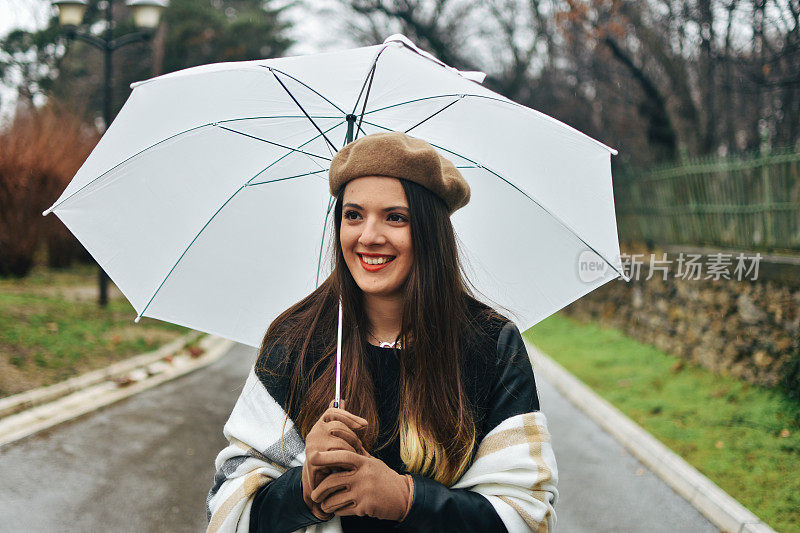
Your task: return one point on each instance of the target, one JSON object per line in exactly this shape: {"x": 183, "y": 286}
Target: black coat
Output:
{"x": 499, "y": 383}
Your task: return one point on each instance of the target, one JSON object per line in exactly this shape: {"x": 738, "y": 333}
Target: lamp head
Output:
{"x": 147, "y": 13}
{"x": 70, "y": 12}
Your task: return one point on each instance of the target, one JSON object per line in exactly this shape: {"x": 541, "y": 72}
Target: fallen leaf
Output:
{"x": 196, "y": 351}
{"x": 123, "y": 381}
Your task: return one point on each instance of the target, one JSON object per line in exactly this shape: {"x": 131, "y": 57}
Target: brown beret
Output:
{"x": 397, "y": 155}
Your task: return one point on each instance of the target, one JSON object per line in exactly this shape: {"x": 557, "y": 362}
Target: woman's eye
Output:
{"x": 350, "y": 215}
{"x": 397, "y": 217}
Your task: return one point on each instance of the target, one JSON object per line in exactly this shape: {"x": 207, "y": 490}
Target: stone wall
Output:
{"x": 748, "y": 328}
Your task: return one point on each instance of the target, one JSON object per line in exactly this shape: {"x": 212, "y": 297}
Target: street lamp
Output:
{"x": 146, "y": 17}
{"x": 147, "y": 13}
{"x": 70, "y": 12}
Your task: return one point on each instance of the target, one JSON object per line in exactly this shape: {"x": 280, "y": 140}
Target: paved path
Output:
{"x": 602, "y": 487}
{"x": 146, "y": 464}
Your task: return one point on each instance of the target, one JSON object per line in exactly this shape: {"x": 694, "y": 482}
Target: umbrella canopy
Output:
{"x": 207, "y": 200}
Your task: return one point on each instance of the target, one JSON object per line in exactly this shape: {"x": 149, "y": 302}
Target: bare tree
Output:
{"x": 656, "y": 78}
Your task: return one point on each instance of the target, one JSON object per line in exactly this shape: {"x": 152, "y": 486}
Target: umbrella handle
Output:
{"x": 337, "y": 397}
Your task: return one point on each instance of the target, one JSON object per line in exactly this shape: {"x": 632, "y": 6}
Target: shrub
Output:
{"x": 39, "y": 153}
{"x": 791, "y": 376}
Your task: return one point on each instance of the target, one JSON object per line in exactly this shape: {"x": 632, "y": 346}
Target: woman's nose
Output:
{"x": 371, "y": 233}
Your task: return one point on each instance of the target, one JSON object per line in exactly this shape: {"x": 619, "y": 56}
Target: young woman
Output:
{"x": 440, "y": 428}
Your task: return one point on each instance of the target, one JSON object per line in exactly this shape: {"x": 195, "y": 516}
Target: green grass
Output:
{"x": 40, "y": 277}
{"x": 744, "y": 438}
{"x": 46, "y": 337}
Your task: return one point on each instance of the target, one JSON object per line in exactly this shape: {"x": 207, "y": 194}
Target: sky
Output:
{"x": 25, "y": 14}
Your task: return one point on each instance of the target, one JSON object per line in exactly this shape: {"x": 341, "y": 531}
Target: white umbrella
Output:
{"x": 207, "y": 200}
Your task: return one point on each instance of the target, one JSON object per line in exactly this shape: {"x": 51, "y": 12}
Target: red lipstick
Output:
{"x": 373, "y": 268}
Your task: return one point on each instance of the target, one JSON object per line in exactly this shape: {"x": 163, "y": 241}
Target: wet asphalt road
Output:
{"x": 146, "y": 464}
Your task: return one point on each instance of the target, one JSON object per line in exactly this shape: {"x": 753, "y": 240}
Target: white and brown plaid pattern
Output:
{"x": 514, "y": 468}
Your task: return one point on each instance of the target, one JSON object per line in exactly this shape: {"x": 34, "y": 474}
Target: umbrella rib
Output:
{"x": 139, "y": 315}
{"x": 371, "y": 77}
{"x": 322, "y": 240}
{"x": 143, "y": 150}
{"x": 271, "y": 116}
{"x": 371, "y": 71}
{"x": 431, "y": 116}
{"x": 287, "y": 154}
{"x": 416, "y": 100}
{"x": 177, "y": 262}
{"x": 273, "y": 70}
{"x": 57, "y": 204}
{"x": 507, "y": 102}
{"x": 368, "y": 84}
{"x": 246, "y": 184}
{"x": 557, "y": 218}
{"x": 275, "y": 144}
{"x": 286, "y": 178}
{"x": 303, "y": 110}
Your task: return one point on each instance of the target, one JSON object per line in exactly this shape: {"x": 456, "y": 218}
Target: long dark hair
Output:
{"x": 436, "y": 421}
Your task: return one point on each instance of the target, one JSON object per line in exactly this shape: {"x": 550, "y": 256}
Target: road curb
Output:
{"x": 703, "y": 494}
{"x": 32, "y": 398}
{"x": 143, "y": 372}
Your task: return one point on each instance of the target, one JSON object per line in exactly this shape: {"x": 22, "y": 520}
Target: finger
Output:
{"x": 319, "y": 438}
{"x": 351, "y": 443}
{"x": 340, "y": 502}
{"x": 331, "y": 484}
{"x": 342, "y": 459}
{"x": 340, "y": 443}
{"x": 318, "y": 475}
{"x": 321, "y": 473}
{"x": 348, "y": 510}
{"x": 317, "y": 462}
{"x": 322, "y": 515}
{"x": 338, "y": 429}
{"x": 352, "y": 421}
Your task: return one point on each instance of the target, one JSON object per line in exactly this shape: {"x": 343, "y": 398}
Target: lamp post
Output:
{"x": 146, "y": 17}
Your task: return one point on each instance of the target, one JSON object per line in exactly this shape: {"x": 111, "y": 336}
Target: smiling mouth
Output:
{"x": 375, "y": 260}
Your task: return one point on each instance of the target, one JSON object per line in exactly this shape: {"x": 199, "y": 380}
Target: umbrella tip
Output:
{"x": 136, "y": 320}
{"x": 47, "y": 211}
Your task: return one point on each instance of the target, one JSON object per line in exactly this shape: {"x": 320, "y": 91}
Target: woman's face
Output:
{"x": 375, "y": 228}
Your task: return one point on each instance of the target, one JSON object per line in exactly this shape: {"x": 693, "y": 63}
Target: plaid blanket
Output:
{"x": 514, "y": 468}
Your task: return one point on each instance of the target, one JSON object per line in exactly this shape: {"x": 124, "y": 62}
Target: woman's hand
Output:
{"x": 365, "y": 487}
{"x": 335, "y": 430}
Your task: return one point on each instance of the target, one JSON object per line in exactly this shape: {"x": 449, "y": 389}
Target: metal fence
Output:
{"x": 738, "y": 202}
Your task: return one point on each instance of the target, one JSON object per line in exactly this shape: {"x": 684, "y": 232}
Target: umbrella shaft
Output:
{"x": 337, "y": 397}
{"x": 351, "y": 120}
